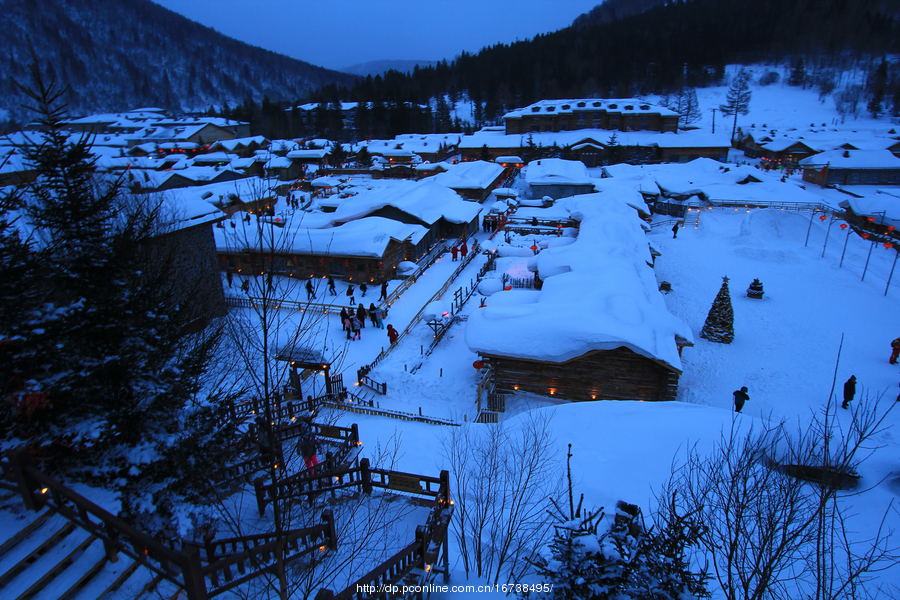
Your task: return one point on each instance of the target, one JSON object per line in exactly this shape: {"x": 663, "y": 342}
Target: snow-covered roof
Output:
{"x": 232, "y": 145}
{"x": 476, "y": 174}
{"x": 508, "y": 159}
{"x": 883, "y": 204}
{"x": 616, "y": 105}
{"x": 368, "y": 237}
{"x": 598, "y": 293}
{"x": 314, "y": 153}
{"x": 492, "y": 138}
{"x": 853, "y": 159}
{"x": 425, "y": 200}
{"x": 549, "y": 171}
{"x": 325, "y": 181}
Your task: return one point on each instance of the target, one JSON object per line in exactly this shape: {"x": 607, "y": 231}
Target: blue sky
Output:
{"x": 340, "y": 33}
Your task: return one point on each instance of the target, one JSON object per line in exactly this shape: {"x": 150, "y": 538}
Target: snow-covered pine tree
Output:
{"x": 737, "y": 100}
{"x": 688, "y": 106}
{"x": 719, "y": 324}
{"x": 109, "y": 350}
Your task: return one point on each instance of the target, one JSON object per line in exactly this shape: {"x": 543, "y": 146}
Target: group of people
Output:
{"x": 353, "y": 320}
{"x": 459, "y": 251}
{"x": 350, "y": 293}
{"x": 491, "y": 222}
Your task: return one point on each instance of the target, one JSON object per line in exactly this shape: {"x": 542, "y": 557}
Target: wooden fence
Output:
{"x": 200, "y": 576}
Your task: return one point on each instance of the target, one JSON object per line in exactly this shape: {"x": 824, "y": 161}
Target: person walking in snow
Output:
{"x": 229, "y": 276}
{"x": 344, "y": 316}
{"x": 740, "y": 397}
{"x": 350, "y": 295}
{"x": 849, "y": 391}
{"x": 675, "y": 230}
{"x": 373, "y": 314}
{"x": 307, "y": 448}
{"x": 348, "y": 326}
{"x": 331, "y": 286}
{"x": 245, "y": 286}
{"x": 454, "y": 251}
{"x": 356, "y": 326}
{"x": 379, "y": 318}
{"x": 383, "y": 291}
{"x": 361, "y": 314}
{"x": 463, "y": 250}
{"x": 363, "y": 288}
{"x": 392, "y": 334}
{"x": 895, "y": 351}
{"x": 310, "y": 292}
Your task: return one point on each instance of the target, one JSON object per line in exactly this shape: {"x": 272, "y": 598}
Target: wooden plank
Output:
{"x": 403, "y": 482}
{"x": 58, "y": 568}
{"x": 84, "y": 579}
{"x": 122, "y": 578}
{"x": 24, "y": 532}
{"x": 59, "y": 535}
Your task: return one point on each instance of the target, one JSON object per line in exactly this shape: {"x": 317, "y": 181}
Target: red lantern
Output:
{"x": 478, "y": 364}
{"x": 870, "y": 219}
{"x": 891, "y": 228}
{"x": 888, "y": 245}
{"x": 534, "y": 248}
{"x": 507, "y": 288}
{"x": 822, "y": 218}
{"x": 843, "y": 226}
{"x": 865, "y": 236}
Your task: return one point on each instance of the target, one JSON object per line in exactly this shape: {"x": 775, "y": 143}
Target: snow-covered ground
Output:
{"x": 784, "y": 350}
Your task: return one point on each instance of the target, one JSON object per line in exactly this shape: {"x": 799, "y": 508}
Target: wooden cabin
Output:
{"x": 619, "y": 374}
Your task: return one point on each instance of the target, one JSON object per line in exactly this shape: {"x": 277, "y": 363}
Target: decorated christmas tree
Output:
{"x": 719, "y": 325}
{"x": 755, "y": 290}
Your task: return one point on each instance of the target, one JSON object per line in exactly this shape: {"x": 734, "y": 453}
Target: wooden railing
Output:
{"x": 234, "y": 561}
{"x": 420, "y": 557}
{"x": 280, "y": 303}
{"x": 201, "y": 570}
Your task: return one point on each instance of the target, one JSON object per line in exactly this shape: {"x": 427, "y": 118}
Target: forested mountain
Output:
{"x": 118, "y": 54}
{"x": 613, "y": 10}
{"x": 377, "y": 67}
{"x": 660, "y": 50}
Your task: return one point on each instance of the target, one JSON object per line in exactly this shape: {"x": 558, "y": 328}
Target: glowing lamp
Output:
{"x": 822, "y": 218}
{"x": 888, "y": 245}
{"x": 516, "y": 387}
{"x": 534, "y": 248}
{"x": 843, "y": 226}
{"x": 45, "y": 490}
{"x": 870, "y": 219}
{"x": 552, "y": 391}
{"x": 865, "y": 236}
{"x": 507, "y": 288}
{"x": 891, "y": 228}
{"x": 478, "y": 364}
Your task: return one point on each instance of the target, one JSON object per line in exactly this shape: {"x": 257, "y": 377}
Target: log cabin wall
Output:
{"x": 618, "y": 374}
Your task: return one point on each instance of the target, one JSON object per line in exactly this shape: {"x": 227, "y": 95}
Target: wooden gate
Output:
{"x": 335, "y": 383}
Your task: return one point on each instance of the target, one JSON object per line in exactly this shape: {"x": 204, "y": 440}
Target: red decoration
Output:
{"x": 478, "y": 364}
{"x": 843, "y": 226}
{"x": 888, "y": 245}
{"x": 891, "y": 228}
{"x": 534, "y": 248}
{"x": 507, "y": 288}
{"x": 822, "y": 218}
{"x": 865, "y": 236}
{"x": 870, "y": 219}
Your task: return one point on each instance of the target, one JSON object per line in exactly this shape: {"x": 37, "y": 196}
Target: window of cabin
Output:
{"x": 551, "y": 108}
{"x": 629, "y": 107}
{"x": 581, "y": 104}
{"x": 596, "y": 103}
{"x": 535, "y": 109}
{"x": 614, "y": 106}
{"x": 566, "y": 106}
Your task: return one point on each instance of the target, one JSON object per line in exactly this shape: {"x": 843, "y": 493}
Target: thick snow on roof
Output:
{"x": 476, "y": 174}
{"x": 599, "y": 293}
{"x": 600, "y": 137}
{"x": 316, "y": 153}
{"x": 549, "y": 171}
{"x": 424, "y": 200}
{"x": 881, "y": 203}
{"x": 615, "y": 105}
{"x": 367, "y": 237}
{"x": 853, "y": 159}
{"x": 231, "y": 145}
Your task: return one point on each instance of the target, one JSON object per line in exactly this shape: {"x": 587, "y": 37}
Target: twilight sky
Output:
{"x": 340, "y": 33}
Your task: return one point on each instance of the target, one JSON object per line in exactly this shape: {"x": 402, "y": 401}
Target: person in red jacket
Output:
{"x": 454, "y": 251}
{"x": 463, "y": 250}
{"x": 895, "y": 351}
{"x": 392, "y": 334}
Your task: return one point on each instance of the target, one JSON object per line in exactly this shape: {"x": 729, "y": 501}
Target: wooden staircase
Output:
{"x": 49, "y": 558}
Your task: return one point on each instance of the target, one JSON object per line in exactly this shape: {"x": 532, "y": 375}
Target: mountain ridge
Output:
{"x": 118, "y": 55}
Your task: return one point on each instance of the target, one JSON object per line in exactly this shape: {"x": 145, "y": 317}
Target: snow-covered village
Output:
{"x": 602, "y": 304}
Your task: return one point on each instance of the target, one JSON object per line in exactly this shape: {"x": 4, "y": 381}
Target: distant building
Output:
{"x": 852, "y": 167}
{"x": 628, "y": 114}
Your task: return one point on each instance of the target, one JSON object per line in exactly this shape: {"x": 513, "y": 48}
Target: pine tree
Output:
{"x": 109, "y": 352}
{"x": 877, "y": 88}
{"x": 719, "y": 325}
{"x": 798, "y": 73}
{"x": 737, "y": 100}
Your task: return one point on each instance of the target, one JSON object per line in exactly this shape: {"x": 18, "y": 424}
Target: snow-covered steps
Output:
{"x": 50, "y": 558}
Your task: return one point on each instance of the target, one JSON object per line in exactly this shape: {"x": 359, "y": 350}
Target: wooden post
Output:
{"x": 445, "y": 485}
{"x": 192, "y": 571}
{"x": 18, "y": 463}
{"x": 330, "y": 535}
{"x": 354, "y": 434}
{"x": 366, "y": 476}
